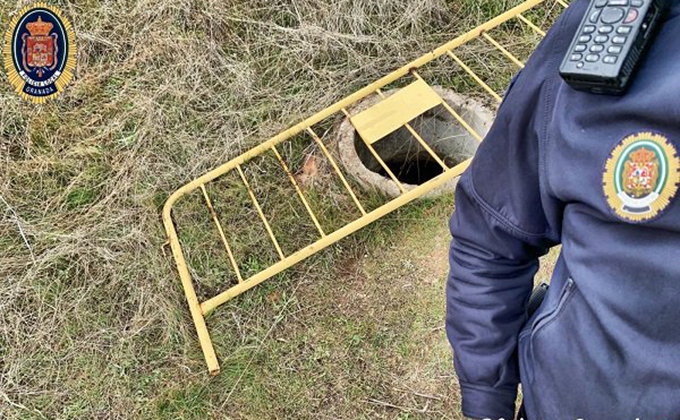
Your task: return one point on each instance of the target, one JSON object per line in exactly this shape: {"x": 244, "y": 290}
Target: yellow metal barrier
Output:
{"x": 373, "y": 124}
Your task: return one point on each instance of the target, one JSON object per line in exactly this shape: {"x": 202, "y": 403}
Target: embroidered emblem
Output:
{"x": 39, "y": 52}
{"x": 641, "y": 176}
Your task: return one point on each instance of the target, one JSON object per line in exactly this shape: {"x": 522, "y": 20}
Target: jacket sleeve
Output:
{"x": 502, "y": 224}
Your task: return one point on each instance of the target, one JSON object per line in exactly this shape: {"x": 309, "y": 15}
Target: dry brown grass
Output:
{"x": 93, "y": 323}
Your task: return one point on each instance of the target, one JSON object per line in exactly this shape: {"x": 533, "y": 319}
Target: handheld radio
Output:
{"x": 610, "y": 43}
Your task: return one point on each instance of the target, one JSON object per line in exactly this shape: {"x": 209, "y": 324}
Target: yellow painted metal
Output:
{"x": 192, "y": 300}
{"x": 502, "y": 49}
{"x": 478, "y": 79}
{"x": 377, "y": 157}
{"x": 218, "y": 225}
{"x": 336, "y": 168}
{"x": 464, "y": 123}
{"x": 260, "y": 212}
{"x": 419, "y": 139}
{"x": 457, "y": 116}
{"x": 380, "y": 120}
{"x": 334, "y": 237}
{"x": 427, "y": 148}
{"x": 299, "y": 191}
{"x": 531, "y": 24}
{"x": 373, "y": 128}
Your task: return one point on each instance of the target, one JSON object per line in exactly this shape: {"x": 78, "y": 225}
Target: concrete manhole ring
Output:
{"x": 404, "y": 155}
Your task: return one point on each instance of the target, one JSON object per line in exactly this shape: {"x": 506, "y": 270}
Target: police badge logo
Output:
{"x": 641, "y": 177}
{"x": 39, "y": 52}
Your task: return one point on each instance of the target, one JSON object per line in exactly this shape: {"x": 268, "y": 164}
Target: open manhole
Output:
{"x": 404, "y": 155}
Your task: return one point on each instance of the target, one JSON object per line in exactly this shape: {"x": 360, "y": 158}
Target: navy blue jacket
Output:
{"x": 599, "y": 175}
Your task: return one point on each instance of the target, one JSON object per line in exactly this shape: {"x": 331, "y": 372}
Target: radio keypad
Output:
{"x": 610, "y": 42}
{"x": 607, "y": 17}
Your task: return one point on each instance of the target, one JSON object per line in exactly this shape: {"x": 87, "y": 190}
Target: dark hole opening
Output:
{"x": 409, "y": 160}
{"x": 415, "y": 171}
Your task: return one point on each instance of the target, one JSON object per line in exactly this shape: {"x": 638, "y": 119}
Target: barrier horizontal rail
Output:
{"x": 371, "y": 126}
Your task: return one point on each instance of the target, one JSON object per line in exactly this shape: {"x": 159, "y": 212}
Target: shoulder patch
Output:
{"x": 641, "y": 176}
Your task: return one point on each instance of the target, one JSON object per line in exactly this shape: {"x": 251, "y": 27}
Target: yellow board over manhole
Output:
{"x": 390, "y": 113}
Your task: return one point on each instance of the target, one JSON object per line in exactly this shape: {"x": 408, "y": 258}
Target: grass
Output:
{"x": 93, "y": 322}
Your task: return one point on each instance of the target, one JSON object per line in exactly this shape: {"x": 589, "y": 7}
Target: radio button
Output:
{"x": 632, "y": 16}
{"x": 613, "y": 15}
{"x": 595, "y": 16}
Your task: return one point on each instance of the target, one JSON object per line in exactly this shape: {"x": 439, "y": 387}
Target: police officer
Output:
{"x": 599, "y": 175}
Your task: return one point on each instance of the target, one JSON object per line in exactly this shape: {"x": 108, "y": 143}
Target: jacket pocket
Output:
{"x": 566, "y": 292}
{"x": 545, "y": 319}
